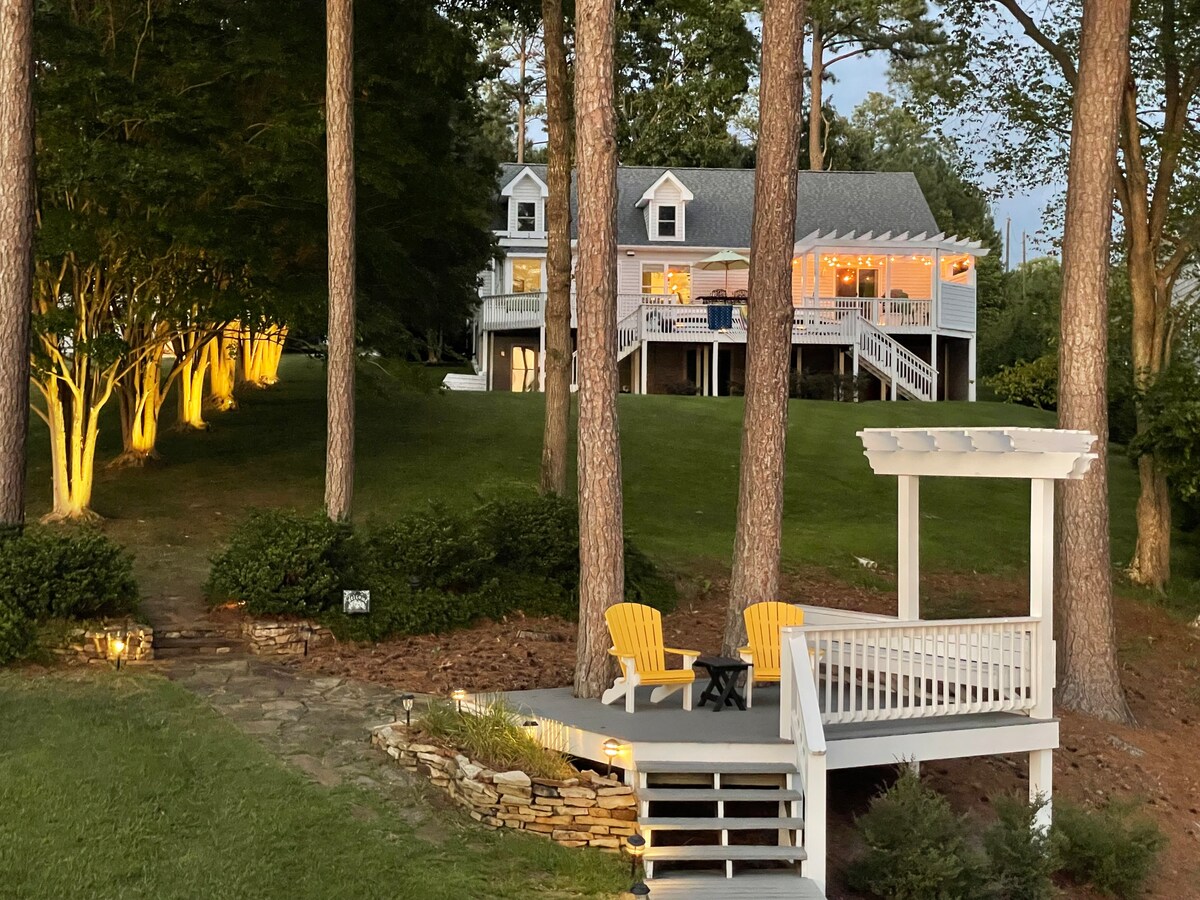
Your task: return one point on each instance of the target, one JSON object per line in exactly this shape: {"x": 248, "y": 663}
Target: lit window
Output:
{"x": 856, "y": 282}
{"x": 666, "y": 221}
{"x": 672, "y": 279}
{"x": 526, "y": 216}
{"x": 526, "y": 276}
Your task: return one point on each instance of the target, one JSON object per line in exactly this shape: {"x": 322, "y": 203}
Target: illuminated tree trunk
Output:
{"x": 601, "y": 534}
{"x": 16, "y": 249}
{"x": 758, "y": 541}
{"x": 191, "y": 368}
{"x": 339, "y": 111}
{"x": 222, "y": 367}
{"x": 140, "y": 397}
{"x": 261, "y": 352}
{"x": 1090, "y": 680}
{"x": 556, "y": 433}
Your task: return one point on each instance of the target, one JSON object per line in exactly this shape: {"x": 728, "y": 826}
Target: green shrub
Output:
{"x": 282, "y": 562}
{"x": 534, "y": 534}
{"x": 66, "y": 572}
{"x": 916, "y": 847}
{"x": 17, "y": 633}
{"x": 1021, "y": 859}
{"x": 1111, "y": 849}
{"x": 1028, "y": 383}
{"x": 431, "y": 549}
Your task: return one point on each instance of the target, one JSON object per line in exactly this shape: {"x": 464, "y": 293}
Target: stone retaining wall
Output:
{"x": 588, "y": 811}
{"x": 274, "y": 638}
{"x": 94, "y": 643}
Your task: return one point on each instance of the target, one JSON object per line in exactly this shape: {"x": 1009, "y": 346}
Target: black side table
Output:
{"x": 723, "y": 672}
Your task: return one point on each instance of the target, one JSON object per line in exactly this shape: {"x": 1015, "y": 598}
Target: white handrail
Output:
{"x": 800, "y": 722}
{"x": 903, "y": 670}
{"x": 907, "y": 371}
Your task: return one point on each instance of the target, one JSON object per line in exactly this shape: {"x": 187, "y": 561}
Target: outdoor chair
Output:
{"x": 763, "y": 624}
{"x": 637, "y": 637}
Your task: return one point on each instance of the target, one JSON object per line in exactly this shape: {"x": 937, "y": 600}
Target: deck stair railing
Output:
{"x": 800, "y": 722}
{"x": 906, "y": 372}
{"x": 906, "y": 670}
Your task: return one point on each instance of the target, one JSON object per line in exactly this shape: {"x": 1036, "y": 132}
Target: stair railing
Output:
{"x": 800, "y": 722}
{"x": 907, "y": 371}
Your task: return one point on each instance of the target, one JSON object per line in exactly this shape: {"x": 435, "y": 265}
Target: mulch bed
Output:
{"x": 1154, "y": 765}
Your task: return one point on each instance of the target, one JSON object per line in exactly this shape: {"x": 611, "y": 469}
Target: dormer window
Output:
{"x": 526, "y": 216}
{"x": 667, "y": 220}
{"x": 665, "y": 207}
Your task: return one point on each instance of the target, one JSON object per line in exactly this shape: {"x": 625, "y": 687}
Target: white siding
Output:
{"x": 956, "y": 308}
{"x": 913, "y": 277}
{"x": 668, "y": 193}
{"x": 526, "y": 190}
{"x": 629, "y": 275}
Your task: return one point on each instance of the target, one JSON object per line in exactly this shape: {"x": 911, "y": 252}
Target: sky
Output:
{"x": 859, "y": 77}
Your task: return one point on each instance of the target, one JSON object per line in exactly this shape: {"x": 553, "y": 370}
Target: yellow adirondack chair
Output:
{"x": 637, "y": 638}
{"x": 763, "y": 622}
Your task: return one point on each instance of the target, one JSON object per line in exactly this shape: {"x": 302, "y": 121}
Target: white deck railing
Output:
{"x": 801, "y": 723}
{"x": 906, "y": 372}
{"x": 890, "y": 313}
{"x": 905, "y": 670}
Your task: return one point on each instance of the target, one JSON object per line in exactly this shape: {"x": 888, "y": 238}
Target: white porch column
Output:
{"x": 971, "y": 370}
{"x": 542, "y": 358}
{"x": 1041, "y": 783}
{"x": 702, "y": 362}
{"x": 908, "y": 562}
{"x": 716, "y": 360}
{"x": 933, "y": 360}
{"x": 489, "y": 347}
{"x": 1041, "y": 590}
{"x": 643, "y": 365}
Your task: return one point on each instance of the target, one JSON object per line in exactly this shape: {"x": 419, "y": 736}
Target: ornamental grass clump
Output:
{"x": 492, "y": 736}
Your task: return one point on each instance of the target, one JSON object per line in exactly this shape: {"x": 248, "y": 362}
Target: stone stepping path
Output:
{"x": 319, "y": 725}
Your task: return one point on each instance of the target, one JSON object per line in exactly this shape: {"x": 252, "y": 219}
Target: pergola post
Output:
{"x": 1041, "y": 588}
{"x": 908, "y": 564}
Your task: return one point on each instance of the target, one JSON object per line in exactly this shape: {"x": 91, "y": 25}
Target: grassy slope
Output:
{"x": 127, "y": 786}
{"x": 680, "y": 464}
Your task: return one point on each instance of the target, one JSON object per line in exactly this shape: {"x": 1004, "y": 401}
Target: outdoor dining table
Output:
{"x": 723, "y": 672}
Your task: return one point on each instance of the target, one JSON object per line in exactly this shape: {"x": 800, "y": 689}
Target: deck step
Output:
{"x": 652, "y": 767}
{"x": 749, "y": 886}
{"x": 761, "y": 823}
{"x": 766, "y": 795}
{"x": 721, "y": 852}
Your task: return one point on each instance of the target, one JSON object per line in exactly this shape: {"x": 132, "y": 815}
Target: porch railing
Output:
{"x": 894, "y": 313}
{"x": 904, "y": 670}
{"x": 500, "y": 311}
{"x": 800, "y": 722}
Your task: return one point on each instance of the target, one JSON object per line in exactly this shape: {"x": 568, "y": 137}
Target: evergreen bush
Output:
{"x": 916, "y": 847}
{"x": 1021, "y": 859}
{"x": 65, "y": 572}
{"x": 17, "y": 632}
{"x": 1111, "y": 849}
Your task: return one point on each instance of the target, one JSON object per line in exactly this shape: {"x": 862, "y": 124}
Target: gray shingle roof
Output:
{"x": 721, "y": 213}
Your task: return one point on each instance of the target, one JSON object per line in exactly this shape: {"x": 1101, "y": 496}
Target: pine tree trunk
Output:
{"x": 816, "y": 120}
{"x": 769, "y": 339}
{"x": 339, "y": 101}
{"x": 16, "y": 249}
{"x": 558, "y": 254}
{"x": 601, "y": 532}
{"x": 1090, "y": 680}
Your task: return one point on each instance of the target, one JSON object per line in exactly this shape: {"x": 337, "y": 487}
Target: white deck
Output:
{"x": 665, "y": 731}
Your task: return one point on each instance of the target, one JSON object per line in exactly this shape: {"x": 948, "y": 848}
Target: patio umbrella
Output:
{"x": 725, "y": 259}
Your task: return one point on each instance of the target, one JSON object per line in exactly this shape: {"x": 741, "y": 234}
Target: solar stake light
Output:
{"x": 530, "y": 727}
{"x": 458, "y": 695}
{"x": 611, "y": 748}
{"x": 635, "y": 846}
{"x": 406, "y": 701}
{"x": 639, "y": 889}
{"x": 118, "y": 649}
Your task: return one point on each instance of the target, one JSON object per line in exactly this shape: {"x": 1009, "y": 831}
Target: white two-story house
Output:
{"x": 878, "y": 290}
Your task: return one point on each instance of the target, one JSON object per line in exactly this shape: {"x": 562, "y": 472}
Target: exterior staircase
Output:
{"x": 898, "y": 367}
{"x": 722, "y": 830}
{"x": 629, "y": 333}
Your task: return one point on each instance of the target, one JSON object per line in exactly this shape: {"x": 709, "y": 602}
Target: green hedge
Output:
{"x": 428, "y": 572}
{"x": 58, "y": 573}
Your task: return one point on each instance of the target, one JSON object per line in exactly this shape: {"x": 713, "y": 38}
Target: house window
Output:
{"x": 658, "y": 278}
{"x": 526, "y": 276}
{"x": 526, "y": 216}
{"x": 854, "y": 282}
{"x": 667, "y": 221}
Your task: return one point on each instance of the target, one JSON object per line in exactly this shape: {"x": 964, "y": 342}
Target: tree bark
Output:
{"x": 601, "y": 531}
{"x": 757, "y": 544}
{"x": 558, "y": 254}
{"x": 1090, "y": 681}
{"x": 816, "y": 121}
{"x": 339, "y": 103}
{"x": 16, "y": 249}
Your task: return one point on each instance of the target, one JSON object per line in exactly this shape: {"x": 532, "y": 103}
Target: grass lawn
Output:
{"x": 680, "y": 468}
{"x": 128, "y": 786}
